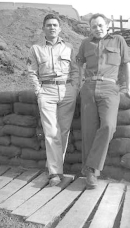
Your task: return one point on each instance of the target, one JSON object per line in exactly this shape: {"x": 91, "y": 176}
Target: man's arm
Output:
{"x": 81, "y": 72}
{"x": 32, "y": 67}
{"x": 74, "y": 70}
{"x": 81, "y": 60}
{"x": 126, "y": 70}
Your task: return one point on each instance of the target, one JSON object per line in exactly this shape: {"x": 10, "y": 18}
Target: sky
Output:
{"x": 108, "y": 7}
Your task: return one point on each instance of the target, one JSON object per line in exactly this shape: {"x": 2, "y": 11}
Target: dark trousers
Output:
{"x": 99, "y": 109}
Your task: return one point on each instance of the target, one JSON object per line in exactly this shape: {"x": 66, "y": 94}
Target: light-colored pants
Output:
{"x": 99, "y": 109}
{"x": 56, "y": 105}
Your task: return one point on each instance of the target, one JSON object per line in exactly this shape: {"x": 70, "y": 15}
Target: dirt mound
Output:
{"x": 19, "y": 29}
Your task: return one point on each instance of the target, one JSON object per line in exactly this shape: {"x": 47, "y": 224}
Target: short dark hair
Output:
{"x": 94, "y": 16}
{"x": 51, "y": 16}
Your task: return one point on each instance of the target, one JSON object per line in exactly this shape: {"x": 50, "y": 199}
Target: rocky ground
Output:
{"x": 19, "y": 29}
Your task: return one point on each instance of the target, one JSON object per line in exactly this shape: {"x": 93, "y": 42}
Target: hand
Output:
{"x": 75, "y": 86}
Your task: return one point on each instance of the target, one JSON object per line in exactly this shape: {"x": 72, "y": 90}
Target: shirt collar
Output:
{"x": 45, "y": 41}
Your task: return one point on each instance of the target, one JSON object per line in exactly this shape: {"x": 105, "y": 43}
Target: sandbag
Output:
{"x": 5, "y": 140}
{"x": 25, "y": 142}
{"x": 27, "y": 96}
{"x": 4, "y": 160}
{"x": 125, "y": 160}
{"x": 5, "y": 109}
{"x": 113, "y": 172}
{"x": 1, "y": 121}
{"x": 67, "y": 168}
{"x": 39, "y": 122}
{"x": 10, "y": 151}
{"x": 26, "y": 109}
{"x": 70, "y": 148}
{"x": 43, "y": 146}
{"x": 29, "y": 163}
{"x": 30, "y": 154}
{"x": 73, "y": 158}
{"x": 77, "y": 135}
{"x": 123, "y": 117}
{"x": 19, "y": 131}
{"x": 76, "y": 124}
{"x": 76, "y": 168}
{"x": 1, "y": 131}
{"x": 124, "y": 101}
{"x": 126, "y": 176}
{"x": 16, "y": 161}
{"x": 71, "y": 138}
{"x": 8, "y": 97}
{"x": 20, "y": 120}
{"x": 119, "y": 146}
{"x": 78, "y": 145}
{"x": 122, "y": 132}
{"x": 41, "y": 164}
{"x": 113, "y": 161}
{"x": 40, "y": 133}
{"x": 77, "y": 111}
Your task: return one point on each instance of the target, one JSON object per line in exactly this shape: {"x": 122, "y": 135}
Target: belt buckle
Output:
{"x": 59, "y": 82}
{"x": 101, "y": 78}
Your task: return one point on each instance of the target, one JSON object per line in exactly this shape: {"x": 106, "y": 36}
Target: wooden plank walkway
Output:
{"x": 26, "y": 193}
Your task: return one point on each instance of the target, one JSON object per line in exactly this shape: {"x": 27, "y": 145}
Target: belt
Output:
{"x": 55, "y": 82}
{"x": 99, "y": 78}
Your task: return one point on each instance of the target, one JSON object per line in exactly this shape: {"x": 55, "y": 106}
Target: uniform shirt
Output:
{"x": 48, "y": 62}
{"x": 103, "y": 57}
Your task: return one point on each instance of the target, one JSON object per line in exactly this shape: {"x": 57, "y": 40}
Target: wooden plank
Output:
{"x": 3, "y": 169}
{"x": 41, "y": 198}
{"x": 16, "y": 184}
{"x": 81, "y": 210}
{"x": 9, "y": 176}
{"x": 25, "y": 193}
{"x": 109, "y": 206}
{"x": 49, "y": 213}
{"x": 125, "y": 220}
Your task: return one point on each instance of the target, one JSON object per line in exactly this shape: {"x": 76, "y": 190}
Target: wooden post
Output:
{"x": 121, "y": 24}
{"x": 112, "y": 23}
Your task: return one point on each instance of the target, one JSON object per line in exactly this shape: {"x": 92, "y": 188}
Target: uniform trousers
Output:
{"x": 99, "y": 109}
{"x": 56, "y": 105}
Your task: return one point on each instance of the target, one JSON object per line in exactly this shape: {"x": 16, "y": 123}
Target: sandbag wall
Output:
{"x": 22, "y": 139}
{"x": 21, "y": 136}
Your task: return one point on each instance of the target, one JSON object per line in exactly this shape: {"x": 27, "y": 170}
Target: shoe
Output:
{"x": 91, "y": 179}
{"x": 46, "y": 176}
{"x": 55, "y": 179}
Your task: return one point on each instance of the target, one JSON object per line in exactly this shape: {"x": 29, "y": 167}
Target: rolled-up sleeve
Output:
{"x": 125, "y": 57}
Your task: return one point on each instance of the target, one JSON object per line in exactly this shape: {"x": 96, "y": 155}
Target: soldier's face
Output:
{"x": 99, "y": 27}
{"x": 51, "y": 28}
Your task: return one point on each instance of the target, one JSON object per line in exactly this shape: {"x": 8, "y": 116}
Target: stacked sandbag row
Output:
{"x": 118, "y": 159}
{"x": 20, "y": 125}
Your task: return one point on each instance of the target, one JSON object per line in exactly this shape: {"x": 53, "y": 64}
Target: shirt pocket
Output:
{"x": 65, "y": 63}
{"x": 44, "y": 64}
{"x": 91, "y": 58}
{"x": 113, "y": 56}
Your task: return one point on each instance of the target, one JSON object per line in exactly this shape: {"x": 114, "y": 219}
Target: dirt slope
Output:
{"x": 19, "y": 29}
